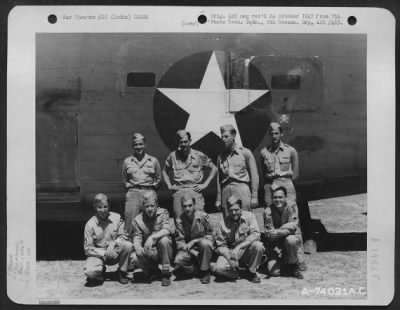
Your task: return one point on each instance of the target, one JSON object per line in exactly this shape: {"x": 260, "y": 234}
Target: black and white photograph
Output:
{"x": 196, "y": 166}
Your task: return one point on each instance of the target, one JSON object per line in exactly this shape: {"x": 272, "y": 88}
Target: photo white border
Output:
{"x": 25, "y": 21}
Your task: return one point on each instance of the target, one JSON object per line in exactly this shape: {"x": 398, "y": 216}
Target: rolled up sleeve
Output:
{"x": 179, "y": 235}
{"x": 254, "y": 230}
{"x": 252, "y": 168}
{"x": 89, "y": 246}
{"x": 137, "y": 234}
{"x": 166, "y": 224}
{"x": 221, "y": 242}
{"x": 209, "y": 231}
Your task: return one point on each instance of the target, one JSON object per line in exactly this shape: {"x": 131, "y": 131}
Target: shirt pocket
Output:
{"x": 131, "y": 170}
{"x": 179, "y": 172}
{"x": 269, "y": 164}
{"x": 149, "y": 169}
{"x": 284, "y": 162}
{"x": 198, "y": 231}
{"x": 114, "y": 233}
{"x": 239, "y": 165}
{"x": 194, "y": 167}
{"x": 243, "y": 231}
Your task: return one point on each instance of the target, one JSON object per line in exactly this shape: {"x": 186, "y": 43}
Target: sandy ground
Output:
{"x": 330, "y": 275}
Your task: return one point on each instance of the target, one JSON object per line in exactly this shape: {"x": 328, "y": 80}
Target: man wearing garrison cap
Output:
{"x": 186, "y": 167}
{"x": 238, "y": 243}
{"x": 194, "y": 241}
{"x": 151, "y": 235}
{"x": 280, "y": 164}
{"x": 282, "y": 234}
{"x": 141, "y": 174}
{"x": 237, "y": 173}
{"x": 280, "y": 167}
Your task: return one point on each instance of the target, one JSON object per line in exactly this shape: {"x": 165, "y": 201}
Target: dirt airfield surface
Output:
{"x": 338, "y": 274}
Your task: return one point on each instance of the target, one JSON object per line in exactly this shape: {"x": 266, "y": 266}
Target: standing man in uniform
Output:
{"x": 282, "y": 233}
{"x": 237, "y": 173}
{"x": 151, "y": 234}
{"x": 105, "y": 242}
{"x": 187, "y": 168}
{"x": 280, "y": 166}
{"x": 238, "y": 243}
{"x": 141, "y": 174}
{"x": 194, "y": 240}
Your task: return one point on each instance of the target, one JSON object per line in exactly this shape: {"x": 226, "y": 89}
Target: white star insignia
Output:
{"x": 211, "y": 105}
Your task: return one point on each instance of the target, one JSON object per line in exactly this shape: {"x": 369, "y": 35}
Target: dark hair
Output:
{"x": 279, "y": 188}
{"x": 186, "y": 197}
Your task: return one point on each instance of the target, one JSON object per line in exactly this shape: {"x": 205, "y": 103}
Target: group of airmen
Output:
{"x": 189, "y": 246}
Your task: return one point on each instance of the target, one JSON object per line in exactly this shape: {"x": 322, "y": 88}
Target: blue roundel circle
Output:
{"x": 187, "y": 74}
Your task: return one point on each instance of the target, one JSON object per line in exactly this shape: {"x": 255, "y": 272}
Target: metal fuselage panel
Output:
{"x": 86, "y": 113}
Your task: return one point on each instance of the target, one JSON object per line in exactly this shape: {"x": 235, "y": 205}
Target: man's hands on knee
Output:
{"x": 111, "y": 253}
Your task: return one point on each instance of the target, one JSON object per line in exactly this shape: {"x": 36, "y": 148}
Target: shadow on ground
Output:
{"x": 327, "y": 241}
{"x": 64, "y": 240}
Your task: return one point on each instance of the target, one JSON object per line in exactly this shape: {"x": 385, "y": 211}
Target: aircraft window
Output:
{"x": 285, "y": 82}
{"x": 141, "y": 79}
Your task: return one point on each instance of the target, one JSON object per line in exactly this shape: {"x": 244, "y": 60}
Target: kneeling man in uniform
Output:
{"x": 151, "y": 234}
{"x": 105, "y": 242}
{"x": 194, "y": 241}
{"x": 238, "y": 243}
{"x": 282, "y": 235}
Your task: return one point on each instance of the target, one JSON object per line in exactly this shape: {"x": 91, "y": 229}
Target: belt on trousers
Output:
{"x": 148, "y": 187}
{"x": 233, "y": 182}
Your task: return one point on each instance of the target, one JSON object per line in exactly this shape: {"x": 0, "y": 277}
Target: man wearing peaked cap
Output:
{"x": 141, "y": 174}
{"x": 183, "y": 172}
{"x": 237, "y": 173}
{"x": 238, "y": 243}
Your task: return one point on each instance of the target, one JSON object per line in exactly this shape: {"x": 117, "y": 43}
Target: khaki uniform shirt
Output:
{"x": 146, "y": 172}
{"x": 143, "y": 227}
{"x": 283, "y": 162}
{"x": 189, "y": 172}
{"x": 186, "y": 230}
{"x": 231, "y": 233}
{"x": 100, "y": 233}
{"x": 287, "y": 220}
{"x": 237, "y": 166}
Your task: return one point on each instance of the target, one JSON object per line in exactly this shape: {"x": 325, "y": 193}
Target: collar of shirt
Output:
{"x": 236, "y": 149}
{"x": 107, "y": 219}
{"x": 190, "y": 156}
{"x": 231, "y": 222}
{"x": 280, "y": 147}
{"x": 158, "y": 212}
{"x": 196, "y": 217}
{"x": 280, "y": 211}
{"x": 145, "y": 158}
